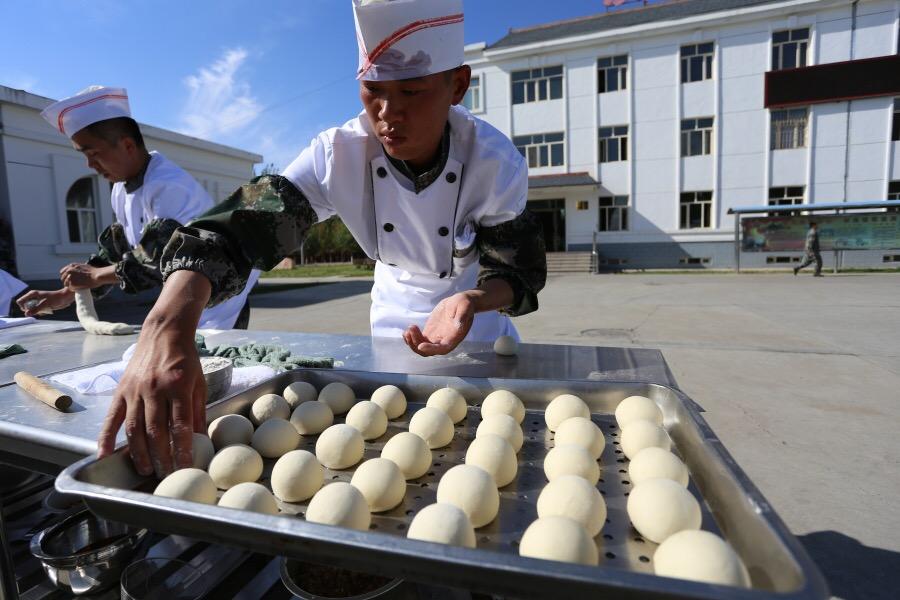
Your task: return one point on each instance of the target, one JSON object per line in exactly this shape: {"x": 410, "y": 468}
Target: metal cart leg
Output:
{"x": 8, "y": 588}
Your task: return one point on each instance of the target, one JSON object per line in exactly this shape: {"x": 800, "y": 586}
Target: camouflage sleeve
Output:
{"x": 137, "y": 268}
{"x": 256, "y": 227}
{"x": 514, "y": 251}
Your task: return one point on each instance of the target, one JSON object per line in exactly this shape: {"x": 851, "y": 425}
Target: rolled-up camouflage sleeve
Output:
{"x": 255, "y": 228}
{"x": 514, "y": 252}
{"x": 137, "y": 268}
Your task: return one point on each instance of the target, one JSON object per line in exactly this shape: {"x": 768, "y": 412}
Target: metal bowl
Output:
{"x": 83, "y": 554}
{"x": 292, "y": 586}
{"x": 217, "y": 372}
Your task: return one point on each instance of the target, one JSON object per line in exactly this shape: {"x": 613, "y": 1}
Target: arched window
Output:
{"x": 81, "y": 211}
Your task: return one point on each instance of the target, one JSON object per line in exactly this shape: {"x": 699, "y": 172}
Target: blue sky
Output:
{"x": 264, "y": 75}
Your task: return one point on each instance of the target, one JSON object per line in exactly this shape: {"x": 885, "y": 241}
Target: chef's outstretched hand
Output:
{"x": 79, "y": 276}
{"x": 37, "y": 302}
{"x": 447, "y": 326}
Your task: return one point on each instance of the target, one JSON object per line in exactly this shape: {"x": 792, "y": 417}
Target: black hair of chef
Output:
{"x": 113, "y": 130}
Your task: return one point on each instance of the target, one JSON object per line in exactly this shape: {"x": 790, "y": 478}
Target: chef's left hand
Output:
{"x": 78, "y": 276}
{"x": 447, "y": 326}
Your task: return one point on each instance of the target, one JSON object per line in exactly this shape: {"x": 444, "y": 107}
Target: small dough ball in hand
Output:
{"x": 297, "y": 476}
{"x": 202, "y": 451}
{"x": 188, "y": 484}
{"x": 570, "y": 459}
{"x": 299, "y": 392}
{"x": 449, "y": 401}
{"x": 444, "y": 524}
{"x": 473, "y": 490}
{"x": 656, "y": 463}
{"x": 391, "y": 399}
{"x": 235, "y": 464}
{"x": 409, "y": 452}
{"x": 558, "y": 538}
{"x": 269, "y": 406}
{"x": 565, "y": 406}
{"x": 381, "y": 482}
{"x": 274, "y": 438}
{"x": 504, "y": 403}
{"x": 250, "y": 496}
{"x": 660, "y": 507}
{"x": 581, "y": 432}
{"x": 369, "y": 418}
{"x": 433, "y": 426}
{"x": 340, "y": 446}
{"x": 230, "y": 429}
{"x": 312, "y": 418}
{"x": 634, "y": 408}
{"x": 506, "y": 345}
{"x": 573, "y": 497}
{"x": 505, "y": 426}
{"x": 496, "y": 456}
{"x": 339, "y": 504}
{"x": 641, "y": 434}
{"x": 700, "y": 556}
{"x": 338, "y": 396}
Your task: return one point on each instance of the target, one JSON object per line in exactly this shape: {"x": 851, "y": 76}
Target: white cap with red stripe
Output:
{"x": 96, "y": 103}
{"x": 403, "y": 39}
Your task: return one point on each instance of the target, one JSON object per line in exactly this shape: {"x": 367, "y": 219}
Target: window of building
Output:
{"x": 472, "y": 99}
{"x": 613, "y": 143}
{"x": 581, "y": 205}
{"x": 894, "y": 194}
{"x": 891, "y": 258}
{"x": 613, "y": 214}
{"x": 785, "y": 196}
{"x": 81, "y": 211}
{"x": 694, "y": 260}
{"x": 696, "y": 210}
{"x": 789, "y": 48}
{"x": 789, "y": 128}
{"x": 612, "y": 73}
{"x": 534, "y": 85}
{"x": 543, "y": 149}
{"x": 696, "y": 136}
{"x": 780, "y": 260}
{"x": 895, "y": 127}
{"x": 696, "y": 62}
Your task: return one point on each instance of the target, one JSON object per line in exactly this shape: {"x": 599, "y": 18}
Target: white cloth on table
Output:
{"x": 7, "y": 322}
{"x": 10, "y": 287}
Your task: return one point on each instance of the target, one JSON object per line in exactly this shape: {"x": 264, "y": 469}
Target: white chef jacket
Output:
{"x": 424, "y": 243}
{"x": 169, "y": 192}
{"x": 10, "y": 287}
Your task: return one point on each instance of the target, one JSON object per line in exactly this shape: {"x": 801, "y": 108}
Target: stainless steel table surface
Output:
{"x": 33, "y": 432}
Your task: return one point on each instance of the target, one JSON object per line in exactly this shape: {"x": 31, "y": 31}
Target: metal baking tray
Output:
{"x": 732, "y": 506}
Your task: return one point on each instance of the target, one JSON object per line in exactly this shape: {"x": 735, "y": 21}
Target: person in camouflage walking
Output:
{"x": 811, "y": 248}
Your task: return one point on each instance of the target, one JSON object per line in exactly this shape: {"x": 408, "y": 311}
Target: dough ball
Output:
{"x": 496, "y": 456}
{"x": 340, "y": 504}
{"x": 391, "y": 399}
{"x": 656, "y": 463}
{"x": 269, "y": 406}
{"x": 296, "y": 476}
{"x": 473, "y": 490}
{"x": 570, "y": 459}
{"x": 235, "y": 464}
{"x": 274, "y": 438}
{"x": 660, "y": 507}
{"x": 433, "y": 426}
{"x": 369, "y": 418}
{"x": 188, "y": 484}
{"x": 505, "y": 426}
{"x": 573, "y": 497}
{"x": 299, "y": 392}
{"x": 202, "y": 450}
{"x": 558, "y": 538}
{"x": 250, "y": 496}
{"x": 338, "y": 396}
{"x": 312, "y": 418}
{"x": 565, "y": 406}
{"x": 409, "y": 452}
{"x": 634, "y": 408}
{"x": 504, "y": 403}
{"x": 444, "y": 524}
{"x": 449, "y": 401}
{"x": 581, "y": 432}
{"x": 381, "y": 482}
{"x": 340, "y": 446}
{"x": 230, "y": 429}
{"x": 641, "y": 434}
{"x": 700, "y": 556}
{"x": 506, "y": 345}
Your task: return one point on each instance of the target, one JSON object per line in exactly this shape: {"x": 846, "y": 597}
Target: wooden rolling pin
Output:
{"x": 44, "y": 392}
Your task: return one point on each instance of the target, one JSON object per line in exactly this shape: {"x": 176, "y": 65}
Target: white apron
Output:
{"x": 10, "y": 287}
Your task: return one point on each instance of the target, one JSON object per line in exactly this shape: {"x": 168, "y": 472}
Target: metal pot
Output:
{"x": 299, "y": 592}
{"x": 217, "y": 372}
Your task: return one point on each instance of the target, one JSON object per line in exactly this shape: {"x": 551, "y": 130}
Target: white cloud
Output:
{"x": 219, "y": 102}
{"x": 21, "y": 82}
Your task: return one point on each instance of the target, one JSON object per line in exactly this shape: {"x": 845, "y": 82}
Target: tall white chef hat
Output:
{"x": 90, "y": 105}
{"x": 402, "y": 39}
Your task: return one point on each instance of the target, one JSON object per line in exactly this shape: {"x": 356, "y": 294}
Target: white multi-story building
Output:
{"x": 647, "y": 125}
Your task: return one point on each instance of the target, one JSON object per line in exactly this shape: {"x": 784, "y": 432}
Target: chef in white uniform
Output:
{"x": 151, "y": 197}
{"x": 10, "y": 287}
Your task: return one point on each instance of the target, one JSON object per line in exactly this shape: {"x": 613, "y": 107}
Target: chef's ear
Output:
{"x": 460, "y": 78}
